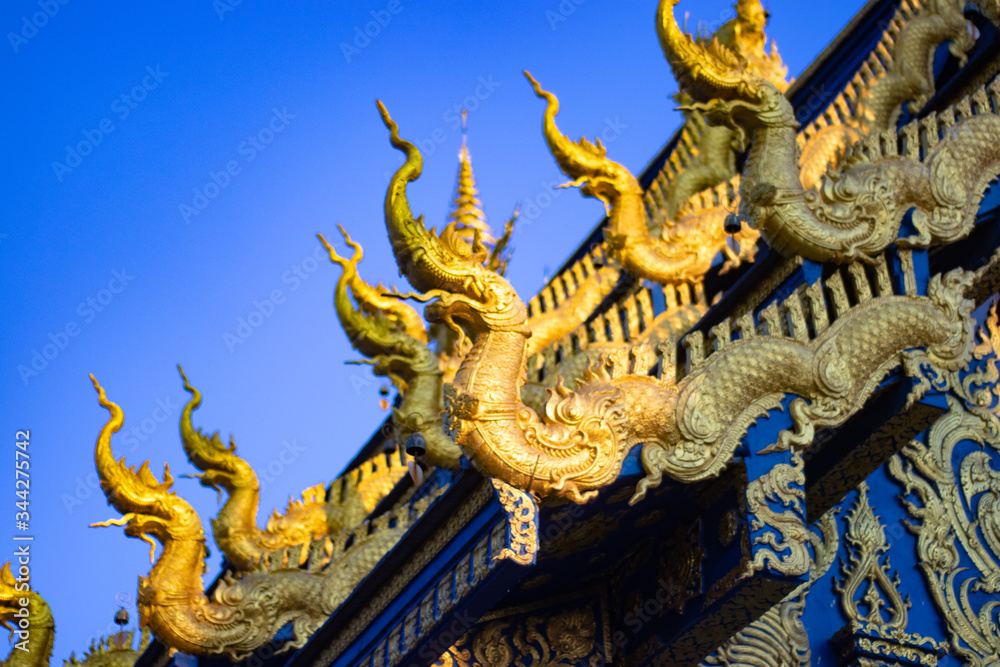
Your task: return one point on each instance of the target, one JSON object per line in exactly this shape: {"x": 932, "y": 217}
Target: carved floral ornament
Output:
{"x": 950, "y": 481}
{"x": 304, "y": 563}
{"x": 688, "y": 428}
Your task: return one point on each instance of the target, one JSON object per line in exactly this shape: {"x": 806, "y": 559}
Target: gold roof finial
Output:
{"x": 467, "y": 210}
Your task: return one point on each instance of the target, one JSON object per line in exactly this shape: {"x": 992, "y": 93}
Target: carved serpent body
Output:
{"x": 715, "y": 160}
{"x": 689, "y": 429}
{"x": 911, "y": 74}
{"x": 235, "y": 528}
{"x": 244, "y": 612}
{"x": 41, "y": 633}
{"x": 689, "y": 246}
{"x": 858, "y": 210}
{"x": 398, "y": 354}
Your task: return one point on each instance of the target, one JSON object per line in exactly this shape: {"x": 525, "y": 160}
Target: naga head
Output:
{"x": 721, "y": 80}
{"x": 585, "y": 162}
{"x": 221, "y": 467}
{"x": 149, "y": 509}
{"x": 381, "y": 327}
{"x": 744, "y": 35}
{"x": 468, "y": 295}
{"x": 9, "y": 596}
{"x": 422, "y": 256}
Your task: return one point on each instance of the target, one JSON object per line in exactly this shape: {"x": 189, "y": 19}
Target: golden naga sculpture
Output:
{"x": 377, "y": 329}
{"x": 235, "y": 528}
{"x": 553, "y": 325}
{"x": 715, "y": 159}
{"x": 113, "y": 651}
{"x": 688, "y": 246}
{"x": 690, "y": 428}
{"x": 910, "y": 76}
{"x": 299, "y": 585}
{"x": 857, "y": 211}
{"x": 35, "y": 649}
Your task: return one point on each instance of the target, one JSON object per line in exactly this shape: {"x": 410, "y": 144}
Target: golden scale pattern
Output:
{"x": 627, "y": 322}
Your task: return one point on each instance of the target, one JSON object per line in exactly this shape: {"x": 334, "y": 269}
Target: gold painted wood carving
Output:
{"x": 235, "y": 528}
{"x": 111, "y": 651}
{"x": 689, "y": 428}
{"x": 784, "y": 532}
{"x": 940, "y": 171}
{"x": 865, "y": 582}
{"x": 565, "y": 638}
{"x": 779, "y": 638}
{"x": 956, "y": 520}
{"x": 522, "y": 522}
{"x": 34, "y": 647}
{"x": 688, "y": 246}
{"x": 300, "y": 585}
{"x": 714, "y": 159}
{"x": 393, "y": 337}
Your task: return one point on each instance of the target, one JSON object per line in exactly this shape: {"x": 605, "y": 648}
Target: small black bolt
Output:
{"x": 732, "y": 225}
{"x": 416, "y": 445}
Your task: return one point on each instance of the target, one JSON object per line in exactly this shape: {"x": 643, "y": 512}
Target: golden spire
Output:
{"x": 467, "y": 210}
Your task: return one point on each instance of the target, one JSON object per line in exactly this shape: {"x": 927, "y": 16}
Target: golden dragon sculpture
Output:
{"x": 689, "y": 428}
{"x": 715, "y": 159}
{"x": 235, "y": 528}
{"x": 909, "y": 78}
{"x": 34, "y": 648}
{"x": 377, "y": 329}
{"x": 299, "y": 585}
{"x": 857, "y": 211}
{"x": 112, "y": 651}
{"x": 688, "y": 247}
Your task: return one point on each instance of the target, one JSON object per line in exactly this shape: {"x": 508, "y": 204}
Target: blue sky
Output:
{"x": 168, "y": 168}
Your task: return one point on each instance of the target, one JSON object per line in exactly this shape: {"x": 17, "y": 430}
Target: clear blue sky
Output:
{"x": 173, "y": 92}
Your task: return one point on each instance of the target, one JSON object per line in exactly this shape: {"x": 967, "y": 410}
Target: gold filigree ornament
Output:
{"x": 567, "y": 637}
{"x": 783, "y": 532}
{"x": 779, "y": 637}
{"x": 857, "y": 210}
{"x": 522, "y": 519}
{"x": 246, "y": 609}
{"x": 865, "y": 581}
{"x": 956, "y": 512}
{"x": 689, "y": 428}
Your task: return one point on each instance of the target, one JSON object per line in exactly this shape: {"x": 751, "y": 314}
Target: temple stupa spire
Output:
{"x": 466, "y": 209}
